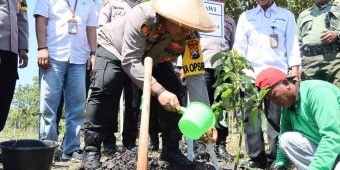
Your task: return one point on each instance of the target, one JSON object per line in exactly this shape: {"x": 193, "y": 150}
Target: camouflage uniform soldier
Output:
{"x": 319, "y": 40}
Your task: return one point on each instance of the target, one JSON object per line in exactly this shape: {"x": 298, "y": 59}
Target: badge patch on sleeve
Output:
{"x": 193, "y": 59}
{"x": 22, "y": 5}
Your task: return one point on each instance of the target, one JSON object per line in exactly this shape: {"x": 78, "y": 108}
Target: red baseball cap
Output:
{"x": 269, "y": 77}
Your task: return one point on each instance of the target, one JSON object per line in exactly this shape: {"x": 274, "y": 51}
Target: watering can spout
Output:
{"x": 182, "y": 110}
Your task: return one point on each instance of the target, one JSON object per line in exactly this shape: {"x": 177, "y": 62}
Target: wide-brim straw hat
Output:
{"x": 188, "y": 13}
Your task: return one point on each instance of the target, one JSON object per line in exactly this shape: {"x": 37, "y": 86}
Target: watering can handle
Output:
{"x": 182, "y": 110}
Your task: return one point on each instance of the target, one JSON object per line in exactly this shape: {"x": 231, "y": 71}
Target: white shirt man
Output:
{"x": 267, "y": 37}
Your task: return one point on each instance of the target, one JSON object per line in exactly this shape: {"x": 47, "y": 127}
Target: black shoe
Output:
{"x": 200, "y": 152}
{"x": 91, "y": 160}
{"x": 77, "y": 155}
{"x": 109, "y": 145}
{"x": 109, "y": 150}
{"x": 221, "y": 152}
{"x": 154, "y": 141}
{"x": 252, "y": 164}
{"x": 153, "y": 147}
{"x": 129, "y": 146}
{"x": 201, "y": 155}
{"x": 176, "y": 158}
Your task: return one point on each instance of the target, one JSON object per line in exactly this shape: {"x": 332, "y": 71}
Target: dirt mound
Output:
{"x": 127, "y": 160}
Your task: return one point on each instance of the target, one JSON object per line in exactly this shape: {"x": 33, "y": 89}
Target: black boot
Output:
{"x": 154, "y": 141}
{"x": 200, "y": 151}
{"x": 221, "y": 151}
{"x": 93, "y": 140}
{"x": 171, "y": 152}
{"x": 220, "y": 148}
{"x": 129, "y": 140}
{"x": 109, "y": 145}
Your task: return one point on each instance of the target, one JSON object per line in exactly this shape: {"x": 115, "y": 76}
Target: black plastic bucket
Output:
{"x": 27, "y": 154}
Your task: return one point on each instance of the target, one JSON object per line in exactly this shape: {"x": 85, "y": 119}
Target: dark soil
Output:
{"x": 127, "y": 160}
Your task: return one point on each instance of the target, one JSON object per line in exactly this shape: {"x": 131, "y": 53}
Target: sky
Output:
{"x": 27, "y": 74}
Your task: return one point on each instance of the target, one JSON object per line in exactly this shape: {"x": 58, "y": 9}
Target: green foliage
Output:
{"x": 297, "y": 6}
{"x": 231, "y": 84}
{"x": 25, "y": 107}
{"x": 234, "y": 8}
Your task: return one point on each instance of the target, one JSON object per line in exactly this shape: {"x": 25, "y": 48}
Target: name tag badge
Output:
{"x": 274, "y": 40}
{"x": 72, "y": 26}
{"x": 193, "y": 63}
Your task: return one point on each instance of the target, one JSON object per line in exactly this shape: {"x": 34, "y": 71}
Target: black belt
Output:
{"x": 319, "y": 49}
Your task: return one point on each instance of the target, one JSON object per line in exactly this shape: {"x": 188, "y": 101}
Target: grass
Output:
{"x": 12, "y": 134}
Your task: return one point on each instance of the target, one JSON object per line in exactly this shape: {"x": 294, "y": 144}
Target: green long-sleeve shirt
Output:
{"x": 317, "y": 117}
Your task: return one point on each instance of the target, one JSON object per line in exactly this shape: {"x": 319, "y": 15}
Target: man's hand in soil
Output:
{"x": 210, "y": 136}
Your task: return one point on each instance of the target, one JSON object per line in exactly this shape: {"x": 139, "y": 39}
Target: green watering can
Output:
{"x": 196, "y": 120}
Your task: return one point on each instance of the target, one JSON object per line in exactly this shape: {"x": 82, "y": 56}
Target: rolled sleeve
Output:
{"x": 42, "y": 8}
{"x": 93, "y": 17}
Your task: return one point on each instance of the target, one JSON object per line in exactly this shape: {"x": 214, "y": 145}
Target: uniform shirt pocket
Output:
{"x": 253, "y": 31}
{"x": 279, "y": 26}
{"x": 333, "y": 18}
{"x": 306, "y": 26}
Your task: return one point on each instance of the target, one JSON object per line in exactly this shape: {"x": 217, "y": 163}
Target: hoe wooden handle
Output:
{"x": 143, "y": 142}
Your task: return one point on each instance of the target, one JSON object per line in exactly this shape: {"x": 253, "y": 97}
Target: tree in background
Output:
{"x": 235, "y": 7}
{"x": 25, "y": 107}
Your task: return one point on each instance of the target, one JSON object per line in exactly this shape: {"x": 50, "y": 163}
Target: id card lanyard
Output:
{"x": 72, "y": 23}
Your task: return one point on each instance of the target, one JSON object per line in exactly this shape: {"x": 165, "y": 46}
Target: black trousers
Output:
{"x": 133, "y": 95}
{"x": 8, "y": 78}
{"x": 254, "y": 135}
{"x": 165, "y": 74}
{"x": 107, "y": 83}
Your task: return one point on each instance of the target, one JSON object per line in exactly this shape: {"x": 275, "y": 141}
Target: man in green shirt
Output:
{"x": 319, "y": 39}
{"x": 310, "y": 123}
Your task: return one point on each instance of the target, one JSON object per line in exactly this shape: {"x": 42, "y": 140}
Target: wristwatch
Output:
{"x": 92, "y": 53}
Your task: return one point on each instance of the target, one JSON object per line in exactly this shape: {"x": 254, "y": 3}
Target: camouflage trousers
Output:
{"x": 323, "y": 67}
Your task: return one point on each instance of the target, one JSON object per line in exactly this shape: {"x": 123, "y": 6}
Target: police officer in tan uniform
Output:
{"x": 13, "y": 43}
{"x": 163, "y": 30}
{"x": 319, "y": 37}
{"x": 107, "y": 82}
